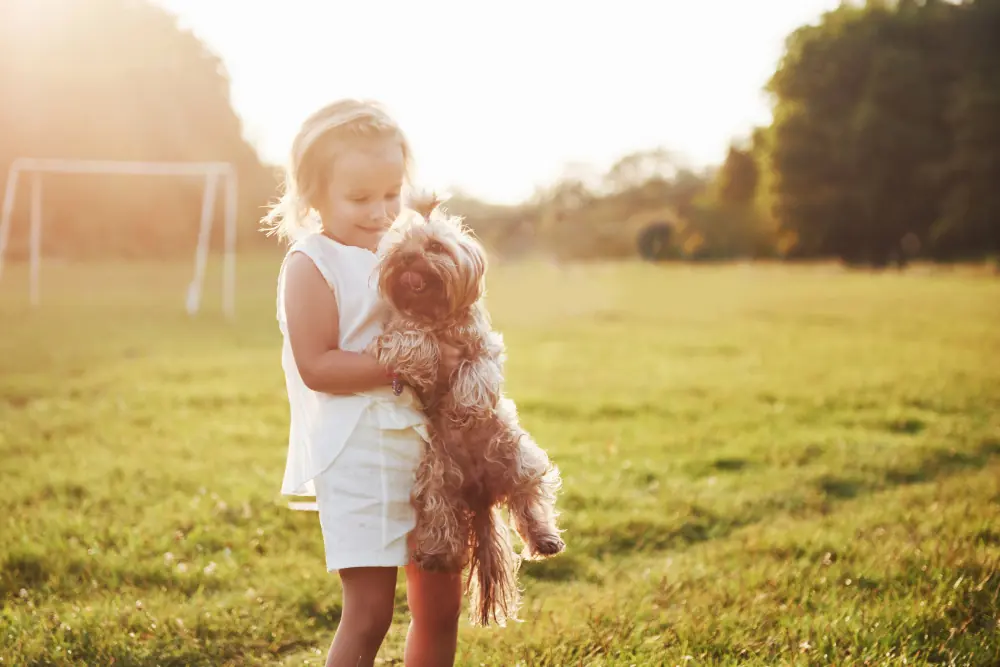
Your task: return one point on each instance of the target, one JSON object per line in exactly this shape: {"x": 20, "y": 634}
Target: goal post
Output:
{"x": 212, "y": 172}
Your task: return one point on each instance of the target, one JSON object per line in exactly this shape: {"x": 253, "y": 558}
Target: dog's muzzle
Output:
{"x": 413, "y": 281}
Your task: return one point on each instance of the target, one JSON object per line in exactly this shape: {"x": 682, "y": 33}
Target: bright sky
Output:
{"x": 497, "y": 101}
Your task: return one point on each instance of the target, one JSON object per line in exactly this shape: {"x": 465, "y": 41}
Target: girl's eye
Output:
{"x": 393, "y": 196}
{"x": 434, "y": 246}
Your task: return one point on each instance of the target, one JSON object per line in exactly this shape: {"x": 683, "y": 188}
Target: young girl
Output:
{"x": 354, "y": 445}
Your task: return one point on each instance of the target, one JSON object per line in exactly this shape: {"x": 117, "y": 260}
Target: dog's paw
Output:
{"x": 545, "y": 546}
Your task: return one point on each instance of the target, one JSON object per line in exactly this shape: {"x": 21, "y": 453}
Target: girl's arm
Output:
{"x": 313, "y": 332}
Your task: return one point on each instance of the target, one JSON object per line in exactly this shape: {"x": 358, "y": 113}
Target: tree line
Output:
{"x": 884, "y": 144}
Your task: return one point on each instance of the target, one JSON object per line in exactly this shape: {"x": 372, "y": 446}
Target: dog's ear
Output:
{"x": 472, "y": 256}
{"x": 425, "y": 203}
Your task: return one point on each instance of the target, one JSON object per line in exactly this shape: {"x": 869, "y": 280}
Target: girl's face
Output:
{"x": 362, "y": 196}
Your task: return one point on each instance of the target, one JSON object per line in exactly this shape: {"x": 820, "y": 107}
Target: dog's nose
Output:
{"x": 408, "y": 257}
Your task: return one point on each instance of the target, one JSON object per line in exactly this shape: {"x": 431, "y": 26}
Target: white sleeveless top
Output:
{"x": 321, "y": 423}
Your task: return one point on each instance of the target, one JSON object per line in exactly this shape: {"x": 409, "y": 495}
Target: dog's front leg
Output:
{"x": 412, "y": 353}
{"x": 478, "y": 381}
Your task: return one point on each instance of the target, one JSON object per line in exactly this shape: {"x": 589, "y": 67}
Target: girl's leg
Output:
{"x": 369, "y": 593}
{"x": 435, "y": 600}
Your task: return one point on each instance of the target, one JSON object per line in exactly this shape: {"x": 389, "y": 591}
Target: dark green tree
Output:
{"x": 885, "y": 131}
{"x": 969, "y": 223}
{"x": 736, "y": 180}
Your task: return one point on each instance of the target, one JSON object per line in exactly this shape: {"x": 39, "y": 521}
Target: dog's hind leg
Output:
{"x": 533, "y": 485}
{"x": 440, "y": 540}
{"x": 533, "y": 502}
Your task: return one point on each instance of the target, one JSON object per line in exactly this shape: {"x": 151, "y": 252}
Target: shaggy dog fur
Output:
{"x": 432, "y": 274}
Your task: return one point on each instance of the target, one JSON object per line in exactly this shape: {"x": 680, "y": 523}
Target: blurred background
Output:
{"x": 783, "y": 129}
{"x": 780, "y": 443}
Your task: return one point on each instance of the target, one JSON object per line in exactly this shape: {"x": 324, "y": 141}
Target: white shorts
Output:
{"x": 363, "y": 497}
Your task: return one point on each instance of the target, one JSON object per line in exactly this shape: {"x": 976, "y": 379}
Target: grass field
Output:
{"x": 763, "y": 466}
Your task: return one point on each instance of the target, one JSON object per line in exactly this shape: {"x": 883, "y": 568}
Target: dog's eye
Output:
{"x": 435, "y": 246}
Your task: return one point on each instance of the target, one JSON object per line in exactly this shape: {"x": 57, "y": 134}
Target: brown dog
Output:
{"x": 432, "y": 275}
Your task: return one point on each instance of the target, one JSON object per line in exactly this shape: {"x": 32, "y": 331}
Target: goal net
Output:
{"x": 214, "y": 173}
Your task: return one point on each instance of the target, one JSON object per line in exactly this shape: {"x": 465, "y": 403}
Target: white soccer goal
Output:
{"x": 213, "y": 172}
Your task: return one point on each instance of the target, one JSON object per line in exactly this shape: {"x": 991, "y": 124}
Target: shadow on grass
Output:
{"x": 570, "y": 566}
{"x": 730, "y": 465}
{"x": 325, "y": 610}
{"x": 556, "y": 410}
{"x": 908, "y": 426}
{"x": 644, "y": 535}
{"x": 53, "y": 575}
{"x": 638, "y": 535}
{"x": 935, "y": 464}
{"x": 700, "y": 468}
{"x": 840, "y": 487}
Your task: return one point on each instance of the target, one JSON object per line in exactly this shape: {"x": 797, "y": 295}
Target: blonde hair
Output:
{"x": 320, "y": 138}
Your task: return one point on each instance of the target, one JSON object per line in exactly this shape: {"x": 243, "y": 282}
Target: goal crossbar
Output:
{"x": 212, "y": 172}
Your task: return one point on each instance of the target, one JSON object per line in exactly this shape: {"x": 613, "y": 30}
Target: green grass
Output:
{"x": 763, "y": 466}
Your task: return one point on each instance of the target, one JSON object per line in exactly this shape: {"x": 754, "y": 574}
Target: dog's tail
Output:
{"x": 492, "y": 583}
